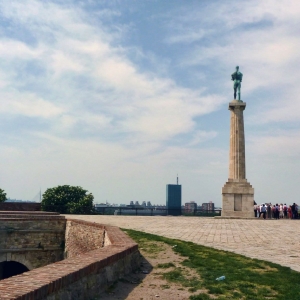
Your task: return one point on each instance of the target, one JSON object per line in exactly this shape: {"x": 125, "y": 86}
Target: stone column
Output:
{"x": 237, "y": 165}
{"x": 237, "y": 193}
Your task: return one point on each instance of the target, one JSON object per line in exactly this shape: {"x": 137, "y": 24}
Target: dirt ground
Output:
{"x": 148, "y": 283}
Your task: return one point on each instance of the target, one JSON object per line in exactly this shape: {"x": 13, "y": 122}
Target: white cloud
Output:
{"x": 138, "y": 100}
{"x": 263, "y": 40}
{"x": 11, "y": 49}
{"x": 278, "y": 144}
{"x": 29, "y": 105}
{"x": 187, "y": 37}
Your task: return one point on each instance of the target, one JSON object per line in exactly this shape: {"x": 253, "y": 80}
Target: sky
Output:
{"x": 120, "y": 96}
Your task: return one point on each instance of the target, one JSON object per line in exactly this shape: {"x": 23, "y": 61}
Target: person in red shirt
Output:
{"x": 289, "y": 212}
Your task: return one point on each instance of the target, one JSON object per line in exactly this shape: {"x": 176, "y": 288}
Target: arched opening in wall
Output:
{"x": 11, "y": 268}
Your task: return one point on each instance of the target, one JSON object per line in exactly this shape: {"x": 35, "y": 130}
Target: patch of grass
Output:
{"x": 174, "y": 276}
{"x": 152, "y": 248}
{"x": 200, "y": 297}
{"x": 178, "y": 276}
{"x": 246, "y": 278}
{"x": 165, "y": 286}
{"x": 165, "y": 266}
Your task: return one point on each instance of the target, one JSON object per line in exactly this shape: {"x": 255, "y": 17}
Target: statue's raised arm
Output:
{"x": 237, "y": 78}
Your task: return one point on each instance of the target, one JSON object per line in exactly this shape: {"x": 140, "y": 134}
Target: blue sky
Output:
{"x": 120, "y": 96}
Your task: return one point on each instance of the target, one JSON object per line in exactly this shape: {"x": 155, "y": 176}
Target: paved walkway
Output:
{"x": 272, "y": 240}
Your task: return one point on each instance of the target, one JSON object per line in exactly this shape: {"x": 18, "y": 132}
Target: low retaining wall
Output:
{"x": 82, "y": 237}
{"x": 82, "y": 275}
{"x": 18, "y": 206}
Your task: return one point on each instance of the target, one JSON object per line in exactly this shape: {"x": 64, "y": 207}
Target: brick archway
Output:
{"x": 18, "y": 258}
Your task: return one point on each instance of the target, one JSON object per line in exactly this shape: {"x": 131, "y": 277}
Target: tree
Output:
{"x": 67, "y": 199}
{"x": 2, "y": 196}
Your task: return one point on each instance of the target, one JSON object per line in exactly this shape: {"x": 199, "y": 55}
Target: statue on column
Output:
{"x": 237, "y": 79}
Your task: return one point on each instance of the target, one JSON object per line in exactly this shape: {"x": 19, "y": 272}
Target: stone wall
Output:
{"x": 18, "y": 206}
{"x": 82, "y": 276}
{"x": 33, "y": 239}
{"x": 82, "y": 237}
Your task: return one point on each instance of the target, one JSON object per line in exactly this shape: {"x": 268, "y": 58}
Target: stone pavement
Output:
{"x": 272, "y": 240}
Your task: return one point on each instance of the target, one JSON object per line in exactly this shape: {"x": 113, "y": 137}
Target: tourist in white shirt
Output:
{"x": 281, "y": 211}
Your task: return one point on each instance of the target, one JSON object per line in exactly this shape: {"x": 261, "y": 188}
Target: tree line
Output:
{"x": 64, "y": 199}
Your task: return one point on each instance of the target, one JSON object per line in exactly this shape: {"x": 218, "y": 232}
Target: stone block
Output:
{"x": 237, "y": 199}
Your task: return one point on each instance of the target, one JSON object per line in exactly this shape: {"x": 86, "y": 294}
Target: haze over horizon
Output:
{"x": 119, "y": 97}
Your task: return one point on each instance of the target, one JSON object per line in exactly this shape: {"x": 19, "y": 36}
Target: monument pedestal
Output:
{"x": 237, "y": 193}
{"x": 237, "y": 199}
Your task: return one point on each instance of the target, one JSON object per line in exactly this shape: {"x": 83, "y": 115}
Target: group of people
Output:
{"x": 276, "y": 211}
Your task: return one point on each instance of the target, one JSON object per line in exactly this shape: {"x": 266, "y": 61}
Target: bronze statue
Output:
{"x": 237, "y": 79}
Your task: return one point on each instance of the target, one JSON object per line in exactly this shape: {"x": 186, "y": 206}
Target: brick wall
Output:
{"x": 82, "y": 237}
{"x": 82, "y": 276}
{"x": 17, "y": 206}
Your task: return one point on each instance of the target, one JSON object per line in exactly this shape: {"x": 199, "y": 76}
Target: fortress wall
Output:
{"x": 82, "y": 276}
{"x": 33, "y": 240}
{"x": 83, "y": 236}
{"x": 18, "y": 206}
